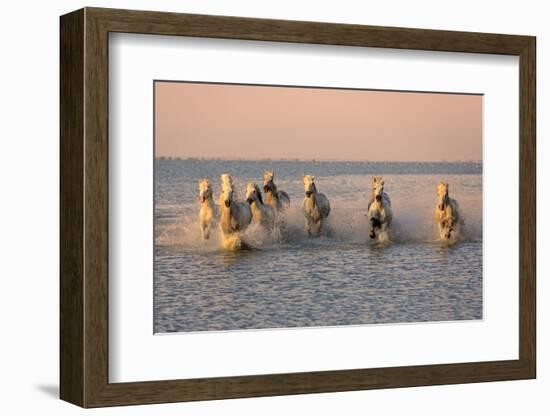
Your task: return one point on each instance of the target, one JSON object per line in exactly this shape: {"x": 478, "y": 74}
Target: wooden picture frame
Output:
{"x": 84, "y": 207}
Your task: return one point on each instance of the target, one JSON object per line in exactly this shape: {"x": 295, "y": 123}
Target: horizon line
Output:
{"x": 238, "y": 159}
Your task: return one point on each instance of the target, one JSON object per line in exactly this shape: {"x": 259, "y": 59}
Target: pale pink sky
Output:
{"x": 256, "y": 122}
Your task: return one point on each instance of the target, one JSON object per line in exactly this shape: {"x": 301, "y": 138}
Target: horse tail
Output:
{"x": 283, "y": 197}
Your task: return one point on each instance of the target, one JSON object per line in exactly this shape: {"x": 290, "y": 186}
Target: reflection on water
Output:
{"x": 341, "y": 279}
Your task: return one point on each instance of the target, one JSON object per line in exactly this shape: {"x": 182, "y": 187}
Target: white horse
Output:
{"x": 379, "y": 209}
{"x": 447, "y": 214}
{"x": 235, "y": 216}
{"x": 279, "y": 200}
{"x": 262, "y": 214}
{"x": 207, "y": 213}
{"x": 315, "y": 207}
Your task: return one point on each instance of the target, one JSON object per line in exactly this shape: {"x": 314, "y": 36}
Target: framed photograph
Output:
{"x": 255, "y": 207}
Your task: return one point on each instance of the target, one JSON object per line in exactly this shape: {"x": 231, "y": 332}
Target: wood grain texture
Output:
{"x": 84, "y": 207}
{"x": 162, "y": 23}
{"x": 528, "y": 208}
{"x": 71, "y": 343}
{"x": 96, "y": 208}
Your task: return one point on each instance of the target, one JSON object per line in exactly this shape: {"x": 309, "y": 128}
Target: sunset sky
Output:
{"x": 257, "y": 122}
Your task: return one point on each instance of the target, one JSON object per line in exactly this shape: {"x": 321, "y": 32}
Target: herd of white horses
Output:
{"x": 268, "y": 209}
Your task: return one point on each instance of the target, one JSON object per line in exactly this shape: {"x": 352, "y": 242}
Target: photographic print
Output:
{"x": 296, "y": 206}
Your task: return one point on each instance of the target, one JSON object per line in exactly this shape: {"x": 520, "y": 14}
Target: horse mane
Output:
{"x": 446, "y": 196}
{"x": 314, "y": 187}
{"x": 257, "y": 188}
{"x": 447, "y": 201}
{"x": 227, "y": 181}
{"x": 269, "y": 181}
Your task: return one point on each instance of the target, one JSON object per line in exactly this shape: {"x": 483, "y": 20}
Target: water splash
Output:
{"x": 347, "y": 223}
{"x": 413, "y": 199}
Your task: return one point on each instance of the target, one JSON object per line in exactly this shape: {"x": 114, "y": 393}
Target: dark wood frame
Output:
{"x": 84, "y": 207}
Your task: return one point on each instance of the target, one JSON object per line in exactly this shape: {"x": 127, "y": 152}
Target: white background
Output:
{"x": 29, "y": 208}
{"x": 138, "y": 59}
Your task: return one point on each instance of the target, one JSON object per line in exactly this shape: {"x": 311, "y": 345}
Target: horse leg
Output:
{"x": 312, "y": 227}
{"x": 445, "y": 227}
{"x": 319, "y": 224}
{"x": 372, "y": 225}
{"x": 441, "y": 228}
{"x": 450, "y": 229}
{"x": 383, "y": 231}
{"x": 280, "y": 222}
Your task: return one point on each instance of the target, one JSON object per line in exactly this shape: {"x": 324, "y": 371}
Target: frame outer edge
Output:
{"x": 84, "y": 284}
{"x": 96, "y": 208}
{"x": 295, "y": 31}
{"x": 528, "y": 208}
{"x": 71, "y": 290}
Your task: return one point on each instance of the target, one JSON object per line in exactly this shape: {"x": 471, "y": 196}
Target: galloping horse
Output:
{"x": 207, "y": 213}
{"x": 263, "y": 214}
{"x": 235, "y": 216}
{"x": 447, "y": 215}
{"x": 316, "y": 207}
{"x": 279, "y": 200}
{"x": 379, "y": 209}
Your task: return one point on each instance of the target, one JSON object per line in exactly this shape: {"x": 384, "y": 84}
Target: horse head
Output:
{"x": 205, "y": 190}
{"x": 269, "y": 185}
{"x": 253, "y": 193}
{"x": 309, "y": 185}
{"x": 226, "y": 196}
{"x": 442, "y": 195}
{"x": 377, "y": 188}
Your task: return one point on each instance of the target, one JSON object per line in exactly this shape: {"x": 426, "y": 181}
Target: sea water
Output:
{"x": 340, "y": 278}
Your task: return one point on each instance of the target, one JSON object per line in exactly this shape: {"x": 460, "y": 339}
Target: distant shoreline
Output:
{"x": 228, "y": 159}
